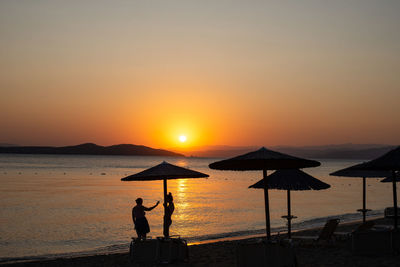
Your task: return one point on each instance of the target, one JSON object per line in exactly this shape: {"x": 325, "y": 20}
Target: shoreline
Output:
{"x": 205, "y": 253}
{"x": 284, "y": 232}
{"x": 120, "y": 248}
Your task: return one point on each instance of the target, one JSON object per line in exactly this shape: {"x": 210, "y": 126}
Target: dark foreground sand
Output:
{"x": 223, "y": 253}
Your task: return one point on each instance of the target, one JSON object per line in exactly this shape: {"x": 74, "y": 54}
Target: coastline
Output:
{"x": 120, "y": 248}
{"x": 223, "y": 253}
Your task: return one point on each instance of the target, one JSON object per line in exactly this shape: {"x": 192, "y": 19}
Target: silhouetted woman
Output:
{"x": 169, "y": 209}
{"x": 139, "y": 220}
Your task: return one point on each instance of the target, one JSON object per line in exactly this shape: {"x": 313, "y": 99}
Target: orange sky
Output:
{"x": 226, "y": 73}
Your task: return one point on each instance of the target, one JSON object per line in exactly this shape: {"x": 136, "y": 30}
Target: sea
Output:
{"x": 73, "y": 205}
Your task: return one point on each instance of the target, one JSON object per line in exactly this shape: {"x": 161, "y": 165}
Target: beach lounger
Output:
{"x": 326, "y": 234}
{"x": 365, "y": 226}
{"x": 172, "y": 250}
{"x": 158, "y": 251}
{"x": 265, "y": 254}
{"x": 360, "y": 228}
{"x": 144, "y": 252}
{"x": 389, "y": 212}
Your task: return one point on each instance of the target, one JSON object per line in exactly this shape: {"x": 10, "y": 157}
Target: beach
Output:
{"x": 70, "y": 204}
{"x": 76, "y": 211}
{"x": 223, "y": 253}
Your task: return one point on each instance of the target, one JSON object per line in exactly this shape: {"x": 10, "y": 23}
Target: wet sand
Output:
{"x": 223, "y": 253}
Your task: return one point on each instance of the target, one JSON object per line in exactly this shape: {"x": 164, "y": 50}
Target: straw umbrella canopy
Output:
{"x": 264, "y": 159}
{"x": 355, "y": 172}
{"x": 388, "y": 162}
{"x": 291, "y": 179}
{"x": 164, "y": 171}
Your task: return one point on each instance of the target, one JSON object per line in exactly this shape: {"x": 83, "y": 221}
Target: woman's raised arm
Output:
{"x": 148, "y": 209}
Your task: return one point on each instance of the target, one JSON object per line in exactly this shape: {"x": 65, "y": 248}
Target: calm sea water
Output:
{"x": 60, "y": 204}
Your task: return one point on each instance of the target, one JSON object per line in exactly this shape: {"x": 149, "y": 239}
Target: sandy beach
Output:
{"x": 223, "y": 253}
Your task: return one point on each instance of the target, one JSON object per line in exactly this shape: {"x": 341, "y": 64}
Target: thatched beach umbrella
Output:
{"x": 388, "y": 162}
{"x": 355, "y": 172}
{"x": 293, "y": 179}
{"x": 164, "y": 171}
{"x": 264, "y": 159}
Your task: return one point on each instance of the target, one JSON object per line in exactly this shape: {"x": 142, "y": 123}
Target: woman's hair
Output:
{"x": 139, "y": 201}
{"x": 169, "y": 197}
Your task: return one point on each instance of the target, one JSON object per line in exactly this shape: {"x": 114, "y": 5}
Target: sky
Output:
{"x": 237, "y": 73}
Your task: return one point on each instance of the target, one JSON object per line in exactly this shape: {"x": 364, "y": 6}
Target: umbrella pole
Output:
{"x": 267, "y": 222}
{"x": 289, "y": 218}
{"x": 394, "y": 198}
{"x": 166, "y": 234}
{"x": 364, "y": 198}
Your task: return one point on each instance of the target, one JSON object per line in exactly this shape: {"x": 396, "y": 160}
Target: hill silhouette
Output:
{"x": 91, "y": 149}
{"x": 339, "y": 151}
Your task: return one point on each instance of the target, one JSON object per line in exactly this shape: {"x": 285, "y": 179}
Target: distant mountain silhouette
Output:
{"x": 340, "y": 151}
{"x": 91, "y": 149}
{"x": 343, "y": 151}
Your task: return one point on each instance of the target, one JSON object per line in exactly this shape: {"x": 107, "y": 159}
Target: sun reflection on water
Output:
{"x": 180, "y": 199}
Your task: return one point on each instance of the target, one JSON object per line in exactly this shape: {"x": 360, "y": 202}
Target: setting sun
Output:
{"x": 182, "y": 138}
